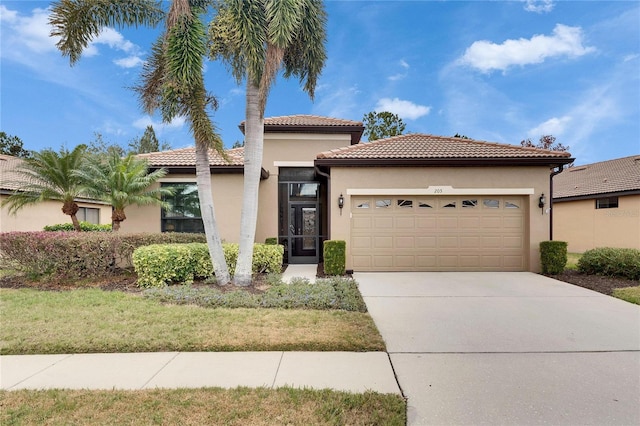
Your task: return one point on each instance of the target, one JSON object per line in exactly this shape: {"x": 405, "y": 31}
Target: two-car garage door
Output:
{"x": 438, "y": 233}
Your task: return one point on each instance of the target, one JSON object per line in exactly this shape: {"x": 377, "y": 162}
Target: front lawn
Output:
{"x": 207, "y": 406}
{"x": 92, "y": 320}
{"x": 630, "y": 294}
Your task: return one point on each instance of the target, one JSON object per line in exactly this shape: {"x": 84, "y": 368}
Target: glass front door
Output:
{"x": 303, "y": 233}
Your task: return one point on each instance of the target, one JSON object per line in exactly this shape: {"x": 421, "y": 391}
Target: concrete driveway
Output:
{"x": 507, "y": 348}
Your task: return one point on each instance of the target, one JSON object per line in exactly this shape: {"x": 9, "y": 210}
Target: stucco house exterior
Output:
{"x": 414, "y": 202}
{"x": 598, "y": 205}
{"x": 35, "y": 217}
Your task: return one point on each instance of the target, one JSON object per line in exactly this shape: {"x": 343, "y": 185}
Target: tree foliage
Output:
{"x": 122, "y": 182}
{"x": 547, "y": 142}
{"x": 99, "y": 147}
{"x": 384, "y": 124}
{"x": 50, "y": 175}
{"x": 12, "y": 145}
{"x": 148, "y": 142}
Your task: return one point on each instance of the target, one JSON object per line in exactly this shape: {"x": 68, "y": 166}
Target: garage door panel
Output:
{"x": 405, "y": 242}
{"x": 453, "y": 234}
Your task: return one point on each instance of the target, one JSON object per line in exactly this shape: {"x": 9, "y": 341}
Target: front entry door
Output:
{"x": 303, "y": 233}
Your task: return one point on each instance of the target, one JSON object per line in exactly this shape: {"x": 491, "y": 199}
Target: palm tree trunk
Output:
{"x": 253, "y": 147}
{"x": 203, "y": 179}
{"x": 76, "y": 223}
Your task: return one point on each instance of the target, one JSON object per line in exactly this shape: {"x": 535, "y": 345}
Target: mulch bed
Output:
{"x": 127, "y": 283}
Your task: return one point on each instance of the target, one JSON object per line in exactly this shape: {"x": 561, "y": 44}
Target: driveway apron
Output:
{"x": 507, "y": 348}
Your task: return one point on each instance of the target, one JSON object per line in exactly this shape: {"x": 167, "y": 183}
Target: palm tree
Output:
{"x": 256, "y": 39}
{"x": 49, "y": 175}
{"x": 172, "y": 79}
{"x": 122, "y": 182}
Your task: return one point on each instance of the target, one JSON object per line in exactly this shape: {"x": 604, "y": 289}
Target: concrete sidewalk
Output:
{"x": 343, "y": 371}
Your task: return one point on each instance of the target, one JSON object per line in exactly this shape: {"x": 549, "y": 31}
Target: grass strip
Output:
{"x": 630, "y": 294}
{"x": 90, "y": 321}
{"x": 210, "y": 406}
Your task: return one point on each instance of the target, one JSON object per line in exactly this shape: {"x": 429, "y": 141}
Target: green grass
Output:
{"x": 90, "y": 320}
{"x": 630, "y": 294}
{"x": 206, "y": 406}
{"x": 572, "y": 261}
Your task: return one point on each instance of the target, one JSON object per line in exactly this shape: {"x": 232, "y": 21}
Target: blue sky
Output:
{"x": 497, "y": 71}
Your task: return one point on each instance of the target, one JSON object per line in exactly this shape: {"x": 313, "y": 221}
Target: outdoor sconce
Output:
{"x": 541, "y": 202}
{"x": 340, "y": 203}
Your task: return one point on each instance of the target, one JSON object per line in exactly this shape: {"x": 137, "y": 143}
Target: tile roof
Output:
{"x": 619, "y": 175}
{"x": 309, "y": 120}
{"x": 422, "y": 146}
{"x": 9, "y": 179}
{"x": 186, "y": 157}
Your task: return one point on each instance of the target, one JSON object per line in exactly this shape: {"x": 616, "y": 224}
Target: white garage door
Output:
{"x": 458, "y": 233}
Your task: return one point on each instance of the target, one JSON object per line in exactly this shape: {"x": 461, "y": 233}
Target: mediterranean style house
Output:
{"x": 598, "y": 205}
{"x": 36, "y": 216}
{"x": 414, "y": 202}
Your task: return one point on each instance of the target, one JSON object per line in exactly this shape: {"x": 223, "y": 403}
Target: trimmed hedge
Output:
{"x": 84, "y": 226}
{"x": 553, "y": 256}
{"x": 271, "y": 241}
{"x": 335, "y": 257}
{"x": 622, "y": 262}
{"x": 162, "y": 264}
{"x": 76, "y": 255}
{"x": 324, "y": 294}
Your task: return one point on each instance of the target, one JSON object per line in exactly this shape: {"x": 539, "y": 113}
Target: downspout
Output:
{"x": 560, "y": 170}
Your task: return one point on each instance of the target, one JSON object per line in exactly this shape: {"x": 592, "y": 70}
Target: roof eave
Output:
{"x": 443, "y": 162}
{"x": 235, "y": 169}
{"x": 354, "y": 131}
{"x": 595, "y": 195}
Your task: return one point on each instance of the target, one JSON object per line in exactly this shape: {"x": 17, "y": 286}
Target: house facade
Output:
{"x": 36, "y": 216}
{"x": 598, "y": 205}
{"x": 408, "y": 203}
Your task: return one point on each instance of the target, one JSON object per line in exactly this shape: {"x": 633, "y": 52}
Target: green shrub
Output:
{"x": 157, "y": 265}
{"x": 271, "y": 241}
{"x": 335, "y": 256}
{"x": 622, "y": 262}
{"x": 553, "y": 256}
{"x": 325, "y": 294}
{"x": 78, "y": 255}
{"x": 84, "y": 226}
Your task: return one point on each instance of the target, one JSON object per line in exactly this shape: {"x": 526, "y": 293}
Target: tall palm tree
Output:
{"x": 122, "y": 182}
{"x": 172, "y": 79}
{"x": 49, "y": 175}
{"x": 257, "y": 39}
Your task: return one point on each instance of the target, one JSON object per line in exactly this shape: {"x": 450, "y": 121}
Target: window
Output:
{"x": 448, "y": 204}
{"x": 88, "y": 214}
{"x": 405, "y": 204}
{"x": 383, "y": 204}
{"x": 424, "y": 205}
{"x": 510, "y": 205}
{"x": 364, "y": 205}
{"x": 607, "y": 203}
{"x": 183, "y": 211}
{"x": 469, "y": 203}
{"x": 491, "y": 203}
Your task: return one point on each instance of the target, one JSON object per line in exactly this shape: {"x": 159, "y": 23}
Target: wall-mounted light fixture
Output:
{"x": 341, "y": 203}
{"x": 541, "y": 202}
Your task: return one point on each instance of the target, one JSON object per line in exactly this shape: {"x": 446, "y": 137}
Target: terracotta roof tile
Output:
{"x": 308, "y": 120}
{"x": 621, "y": 174}
{"x": 422, "y": 146}
{"x": 186, "y": 157}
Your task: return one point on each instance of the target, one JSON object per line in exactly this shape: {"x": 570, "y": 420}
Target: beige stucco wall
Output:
{"x": 288, "y": 148}
{"x": 35, "y": 217}
{"x": 227, "y": 200}
{"x": 537, "y": 178}
{"x": 584, "y": 227}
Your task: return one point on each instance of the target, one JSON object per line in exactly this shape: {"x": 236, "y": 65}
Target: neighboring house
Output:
{"x": 36, "y": 216}
{"x": 598, "y": 205}
{"x": 408, "y": 203}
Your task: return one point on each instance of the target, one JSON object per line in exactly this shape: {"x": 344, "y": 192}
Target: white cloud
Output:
{"x": 539, "y": 6}
{"x": 337, "y": 102}
{"x": 159, "y": 126}
{"x": 129, "y": 62}
{"x": 7, "y": 15}
{"x": 31, "y": 32}
{"x": 405, "y": 109}
{"x": 630, "y": 57}
{"x": 554, "y": 126}
{"x": 114, "y": 40}
{"x": 400, "y": 75}
{"x": 486, "y": 56}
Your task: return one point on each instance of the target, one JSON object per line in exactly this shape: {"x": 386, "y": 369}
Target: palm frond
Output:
{"x": 77, "y": 22}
